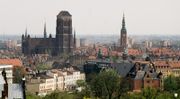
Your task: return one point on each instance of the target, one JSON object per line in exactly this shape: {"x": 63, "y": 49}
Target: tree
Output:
{"x": 81, "y": 83}
{"x": 42, "y": 66}
{"x": 105, "y": 84}
{"x": 60, "y": 95}
{"x": 123, "y": 87}
{"x": 31, "y": 96}
{"x": 18, "y": 73}
{"x": 170, "y": 83}
{"x": 178, "y": 83}
{"x": 149, "y": 93}
{"x": 165, "y": 95}
{"x": 85, "y": 92}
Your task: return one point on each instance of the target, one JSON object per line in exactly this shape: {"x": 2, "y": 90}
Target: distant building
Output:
{"x": 164, "y": 67}
{"x": 62, "y": 43}
{"x": 147, "y": 44}
{"x": 78, "y": 42}
{"x": 83, "y": 42}
{"x": 165, "y": 43}
{"x": 130, "y": 42}
{"x": 168, "y": 67}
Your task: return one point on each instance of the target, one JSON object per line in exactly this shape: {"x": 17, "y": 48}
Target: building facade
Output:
{"x": 62, "y": 43}
{"x": 55, "y": 79}
{"x": 9, "y": 72}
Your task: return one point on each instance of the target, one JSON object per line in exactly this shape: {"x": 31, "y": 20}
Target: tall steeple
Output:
{"x": 123, "y": 22}
{"x": 26, "y": 32}
{"x": 123, "y": 42}
{"x": 45, "y": 33}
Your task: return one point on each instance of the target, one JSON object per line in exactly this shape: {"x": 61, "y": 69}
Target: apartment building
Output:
{"x": 168, "y": 67}
{"x": 55, "y": 79}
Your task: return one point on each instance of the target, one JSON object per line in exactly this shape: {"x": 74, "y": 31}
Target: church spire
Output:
{"x": 26, "y": 32}
{"x": 45, "y": 33}
{"x": 123, "y": 37}
{"x": 123, "y": 22}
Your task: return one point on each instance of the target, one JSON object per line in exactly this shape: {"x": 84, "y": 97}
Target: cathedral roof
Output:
{"x": 63, "y": 13}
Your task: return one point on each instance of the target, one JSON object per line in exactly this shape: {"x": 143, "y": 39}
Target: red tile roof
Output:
{"x": 174, "y": 64}
{"x": 134, "y": 52}
{"x": 14, "y": 62}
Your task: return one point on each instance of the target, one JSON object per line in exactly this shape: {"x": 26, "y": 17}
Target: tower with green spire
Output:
{"x": 99, "y": 55}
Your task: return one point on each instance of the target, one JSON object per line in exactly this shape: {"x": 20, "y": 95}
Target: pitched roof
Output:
{"x": 174, "y": 64}
{"x": 14, "y": 62}
{"x": 123, "y": 68}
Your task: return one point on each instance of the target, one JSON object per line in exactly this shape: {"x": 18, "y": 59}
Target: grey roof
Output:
{"x": 141, "y": 73}
{"x": 123, "y": 68}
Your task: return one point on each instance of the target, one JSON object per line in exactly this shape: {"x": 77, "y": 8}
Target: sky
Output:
{"x": 91, "y": 17}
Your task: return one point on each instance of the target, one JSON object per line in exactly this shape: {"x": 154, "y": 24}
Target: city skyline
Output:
{"x": 91, "y": 17}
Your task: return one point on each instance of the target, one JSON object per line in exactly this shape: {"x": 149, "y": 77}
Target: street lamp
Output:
{"x": 175, "y": 95}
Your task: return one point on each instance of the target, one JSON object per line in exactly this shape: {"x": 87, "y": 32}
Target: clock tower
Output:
{"x": 123, "y": 39}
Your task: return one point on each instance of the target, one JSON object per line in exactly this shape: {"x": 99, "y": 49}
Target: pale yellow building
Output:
{"x": 55, "y": 79}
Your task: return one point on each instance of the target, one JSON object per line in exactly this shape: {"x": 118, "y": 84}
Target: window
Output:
{"x": 148, "y": 81}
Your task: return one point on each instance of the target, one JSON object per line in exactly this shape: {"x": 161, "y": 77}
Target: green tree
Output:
{"x": 42, "y": 66}
{"x": 149, "y": 93}
{"x": 123, "y": 87}
{"x": 18, "y": 73}
{"x": 170, "y": 83}
{"x": 178, "y": 83}
{"x": 85, "y": 92}
{"x": 133, "y": 96}
{"x": 60, "y": 95}
{"x": 165, "y": 95}
{"x": 31, "y": 96}
{"x": 105, "y": 84}
{"x": 81, "y": 83}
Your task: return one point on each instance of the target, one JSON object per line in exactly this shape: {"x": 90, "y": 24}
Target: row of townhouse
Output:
{"x": 55, "y": 79}
{"x": 166, "y": 67}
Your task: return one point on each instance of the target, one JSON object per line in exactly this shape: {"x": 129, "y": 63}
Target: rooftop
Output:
{"x": 14, "y": 62}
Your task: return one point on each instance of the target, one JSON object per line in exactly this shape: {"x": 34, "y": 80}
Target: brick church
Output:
{"x": 64, "y": 42}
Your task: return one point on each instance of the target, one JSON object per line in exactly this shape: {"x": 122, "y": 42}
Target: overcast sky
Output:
{"x": 91, "y": 16}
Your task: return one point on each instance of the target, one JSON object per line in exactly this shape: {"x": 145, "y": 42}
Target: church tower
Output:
{"x": 64, "y": 38}
{"x": 123, "y": 42}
